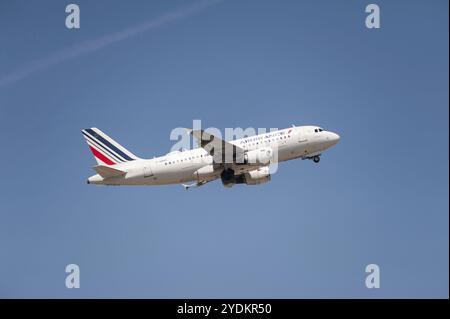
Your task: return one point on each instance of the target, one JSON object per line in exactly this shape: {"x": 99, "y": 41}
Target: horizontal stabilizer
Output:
{"x": 106, "y": 171}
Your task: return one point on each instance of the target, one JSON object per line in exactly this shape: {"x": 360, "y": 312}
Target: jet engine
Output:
{"x": 255, "y": 177}
{"x": 259, "y": 156}
{"x": 228, "y": 178}
{"x": 258, "y": 176}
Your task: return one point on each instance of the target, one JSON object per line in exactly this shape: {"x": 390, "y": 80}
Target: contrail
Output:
{"x": 101, "y": 42}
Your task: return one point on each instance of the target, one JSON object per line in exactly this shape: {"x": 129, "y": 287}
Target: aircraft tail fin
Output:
{"x": 105, "y": 150}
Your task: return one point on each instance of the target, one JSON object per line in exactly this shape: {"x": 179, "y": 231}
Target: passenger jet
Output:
{"x": 241, "y": 161}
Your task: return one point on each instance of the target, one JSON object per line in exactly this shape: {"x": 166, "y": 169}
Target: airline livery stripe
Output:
{"x": 109, "y": 151}
{"x": 101, "y": 157}
{"x": 116, "y": 157}
{"x": 108, "y": 144}
{"x": 102, "y": 152}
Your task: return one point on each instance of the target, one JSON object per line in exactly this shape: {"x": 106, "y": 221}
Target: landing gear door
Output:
{"x": 148, "y": 171}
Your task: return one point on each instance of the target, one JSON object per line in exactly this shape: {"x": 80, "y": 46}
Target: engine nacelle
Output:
{"x": 228, "y": 178}
{"x": 259, "y": 156}
{"x": 258, "y": 176}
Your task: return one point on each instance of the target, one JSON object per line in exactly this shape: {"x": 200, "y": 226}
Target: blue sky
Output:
{"x": 380, "y": 196}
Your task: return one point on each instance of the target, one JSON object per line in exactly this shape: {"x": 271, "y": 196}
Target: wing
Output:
{"x": 223, "y": 152}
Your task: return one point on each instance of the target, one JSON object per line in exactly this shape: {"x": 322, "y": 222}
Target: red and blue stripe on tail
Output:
{"x": 106, "y": 151}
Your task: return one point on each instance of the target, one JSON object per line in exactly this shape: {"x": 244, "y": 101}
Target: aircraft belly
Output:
{"x": 180, "y": 174}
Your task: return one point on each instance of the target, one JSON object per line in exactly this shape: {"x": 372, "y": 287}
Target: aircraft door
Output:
{"x": 301, "y": 137}
{"x": 303, "y": 143}
{"x": 148, "y": 171}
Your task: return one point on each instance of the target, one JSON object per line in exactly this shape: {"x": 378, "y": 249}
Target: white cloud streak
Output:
{"x": 99, "y": 43}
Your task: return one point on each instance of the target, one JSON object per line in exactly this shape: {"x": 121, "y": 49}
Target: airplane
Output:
{"x": 240, "y": 161}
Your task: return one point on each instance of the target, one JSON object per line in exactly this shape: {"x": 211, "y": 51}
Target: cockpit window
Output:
{"x": 317, "y": 130}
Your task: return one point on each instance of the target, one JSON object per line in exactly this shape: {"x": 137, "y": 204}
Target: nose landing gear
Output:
{"x": 315, "y": 158}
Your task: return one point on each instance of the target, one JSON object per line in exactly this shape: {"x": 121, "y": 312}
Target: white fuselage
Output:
{"x": 183, "y": 166}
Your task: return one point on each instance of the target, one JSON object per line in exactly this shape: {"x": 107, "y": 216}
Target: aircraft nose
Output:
{"x": 334, "y": 138}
